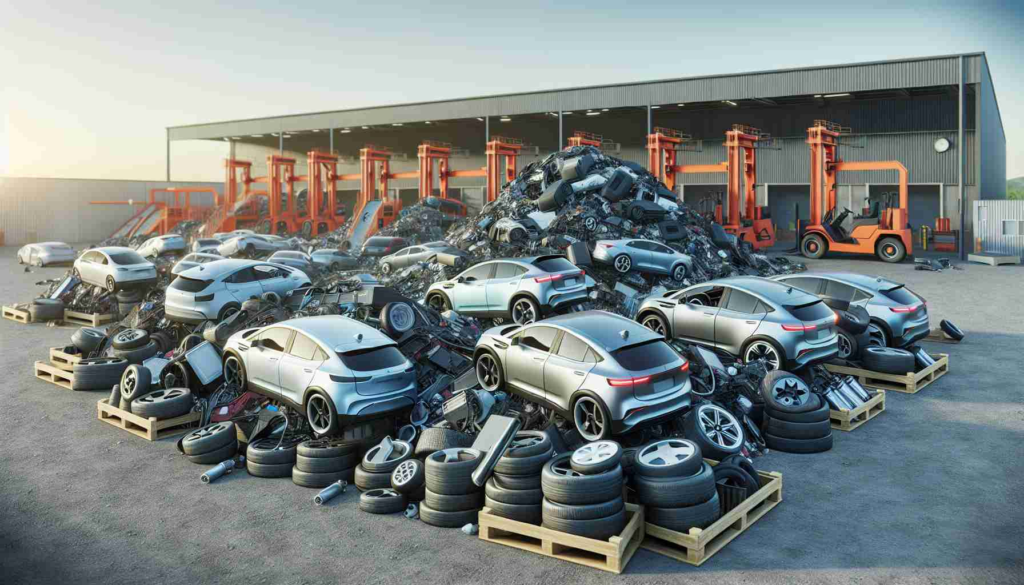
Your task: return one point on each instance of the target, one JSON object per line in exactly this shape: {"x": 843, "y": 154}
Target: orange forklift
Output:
{"x": 882, "y": 233}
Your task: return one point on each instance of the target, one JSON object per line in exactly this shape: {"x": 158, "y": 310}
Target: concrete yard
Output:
{"x": 928, "y": 492}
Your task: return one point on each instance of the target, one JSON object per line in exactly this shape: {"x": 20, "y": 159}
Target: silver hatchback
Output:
{"x": 644, "y": 256}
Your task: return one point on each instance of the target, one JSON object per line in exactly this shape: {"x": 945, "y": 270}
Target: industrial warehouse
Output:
{"x": 578, "y": 334}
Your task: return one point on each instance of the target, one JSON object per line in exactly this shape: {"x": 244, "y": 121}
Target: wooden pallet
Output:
{"x": 53, "y": 375}
{"x": 608, "y": 555}
{"x": 698, "y": 545}
{"x": 63, "y": 360}
{"x": 847, "y": 420}
{"x": 150, "y": 428}
{"x": 909, "y": 383}
{"x": 939, "y": 336}
{"x": 87, "y": 319}
{"x": 16, "y": 314}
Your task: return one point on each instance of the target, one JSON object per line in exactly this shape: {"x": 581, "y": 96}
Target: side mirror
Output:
{"x": 460, "y": 279}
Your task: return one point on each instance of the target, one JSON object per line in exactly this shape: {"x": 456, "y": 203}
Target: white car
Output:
{"x": 215, "y": 291}
{"x": 162, "y": 246}
{"x": 45, "y": 253}
{"x": 250, "y": 246}
{"x": 115, "y": 268}
{"x": 193, "y": 260}
{"x": 206, "y": 245}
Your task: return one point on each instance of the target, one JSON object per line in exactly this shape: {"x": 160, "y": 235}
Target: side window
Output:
{"x": 304, "y": 347}
{"x": 808, "y": 284}
{"x": 242, "y": 276}
{"x": 275, "y": 338}
{"x": 482, "y": 272}
{"x": 859, "y": 296}
{"x": 637, "y": 245}
{"x": 572, "y": 348}
{"x": 404, "y": 252}
{"x": 839, "y": 291}
{"x": 264, "y": 272}
{"x": 591, "y": 357}
{"x": 661, "y": 249}
{"x": 102, "y": 259}
{"x": 508, "y": 270}
{"x": 761, "y": 308}
{"x": 741, "y": 302}
{"x": 539, "y": 338}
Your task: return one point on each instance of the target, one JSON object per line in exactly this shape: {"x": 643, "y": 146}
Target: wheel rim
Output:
{"x": 679, "y": 273}
{"x": 590, "y": 223}
{"x": 564, "y": 469}
{"x": 877, "y": 336}
{"x": 845, "y": 346}
{"x": 790, "y": 392}
{"x": 130, "y": 382}
{"x": 523, "y": 312}
{"x": 720, "y": 426}
{"x": 110, "y": 283}
{"x": 595, "y": 453}
{"x": 201, "y": 433}
{"x": 524, "y": 443}
{"x": 487, "y": 372}
{"x": 130, "y": 335}
{"x": 655, "y": 324}
{"x": 232, "y": 371}
{"x": 812, "y": 246}
{"x": 889, "y": 250}
{"x": 385, "y": 268}
{"x": 319, "y": 413}
{"x": 436, "y": 303}
{"x": 589, "y": 419}
{"x": 762, "y": 350}
{"x": 401, "y": 318}
{"x": 404, "y": 473}
{"x": 665, "y": 453}
{"x": 623, "y": 263}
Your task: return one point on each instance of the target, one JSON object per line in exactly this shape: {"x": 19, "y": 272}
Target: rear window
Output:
{"x": 557, "y": 264}
{"x": 189, "y": 284}
{"x": 367, "y": 360}
{"x": 902, "y": 295}
{"x": 126, "y": 258}
{"x": 209, "y": 242}
{"x": 645, "y": 356}
{"x": 811, "y": 312}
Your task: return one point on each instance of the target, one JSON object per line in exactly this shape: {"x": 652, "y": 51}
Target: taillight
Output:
{"x": 905, "y": 309}
{"x": 607, "y": 245}
{"x": 628, "y": 381}
{"x": 686, "y": 367}
{"x": 799, "y": 327}
{"x": 388, "y": 249}
{"x": 548, "y": 278}
{"x": 836, "y": 321}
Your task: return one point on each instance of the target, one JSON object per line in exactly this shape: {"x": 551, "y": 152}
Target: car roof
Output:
{"x": 602, "y": 328}
{"x": 873, "y": 283}
{"x": 777, "y": 292}
{"x": 111, "y": 249}
{"x": 339, "y": 333}
{"x": 204, "y": 255}
{"x": 49, "y": 244}
{"x": 219, "y": 268}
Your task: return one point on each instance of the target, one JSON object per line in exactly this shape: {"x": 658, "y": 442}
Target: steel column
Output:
{"x": 962, "y": 205}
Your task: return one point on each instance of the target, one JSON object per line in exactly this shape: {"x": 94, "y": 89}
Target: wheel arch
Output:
{"x": 782, "y": 350}
{"x": 580, "y": 393}
{"x": 520, "y": 294}
{"x": 653, "y": 311}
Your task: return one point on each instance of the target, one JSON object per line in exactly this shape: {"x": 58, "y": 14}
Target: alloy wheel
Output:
{"x": 845, "y": 346}
{"x": 877, "y": 336}
{"x": 665, "y": 453}
{"x": 623, "y": 263}
{"x": 720, "y": 426}
{"x": 232, "y": 371}
{"x": 655, "y": 324}
{"x": 594, "y": 453}
{"x": 762, "y": 350}
{"x": 523, "y": 312}
{"x": 319, "y": 413}
{"x": 589, "y": 418}
{"x": 487, "y": 372}
{"x": 790, "y": 392}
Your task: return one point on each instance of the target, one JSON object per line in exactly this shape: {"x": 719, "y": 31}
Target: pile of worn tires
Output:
{"x": 137, "y": 397}
{"x": 514, "y": 489}
{"x": 796, "y": 420}
{"x": 321, "y": 462}
{"x": 134, "y": 345}
{"x": 451, "y": 499}
{"x": 375, "y": 469}
{"x": 675, "y": 485}
{"x": 211, "y": 444}
{"x": 97, "y": 373}
{"x": 583, "y": 492}
{"x": 270, "y": 457}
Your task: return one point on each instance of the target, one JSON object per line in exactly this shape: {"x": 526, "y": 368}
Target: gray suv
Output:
{"x": 643, "y": 255}
{"x": 749, "y": 317}
{"x": 523, "y": 289}
{"x": 604, "y": 372}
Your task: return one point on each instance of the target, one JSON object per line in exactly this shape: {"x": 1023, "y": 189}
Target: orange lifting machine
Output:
{"x": 157, "y": 218}
{"x": 581, "y": 138}
{"x": 884, "y": 234}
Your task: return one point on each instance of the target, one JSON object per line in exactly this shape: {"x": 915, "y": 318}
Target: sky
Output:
{"x": 87, "y": 89}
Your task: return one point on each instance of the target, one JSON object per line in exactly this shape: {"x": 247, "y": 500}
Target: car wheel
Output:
{"x": 385, "y": 268}
{"x": 517, "y": 235}
{"x": 528, "y": 513}
{"x": 848, "y": 348}
{"x": 888, "y": 360}
{"x": 591, "y": 418}
{"x": 590, "y": 223}
{"x": 786, "y": 392}
{"x": 596, "y": 457}
{"x": 397, "y": 318}
{"x": 524, "y": 466}
{"x": 715, "y": 430}
{"x": 216, "y": 456}
{"x": 209, "y": 438}
{"x": 636, "y": 213}
{"x": 496, "y": 492}
{"x": 130, "y": 339}
{"x": 818, "y": 445}
{"x": 668, "y": 458}
{"x": 877, "y": 335}
{"x": 453, "y": 503}
{"x": 97, "y": 373}
{"x": 796, "y": 430}
{"x": 439, "y": 302}
{"x": 335, "y": 267}
{"x": 561, "y": 483}
{"x": 821, "y": 413}
{"x": 322, "y": 416}
{"x": 409, "y": 477}
{"x": 437, "y": 439}
{"x": 673, "y": 492}
{"x": 951, "y": 330}
{"x": 528, "y": 444}
{"x": 364, "y": 480}
{"x": 271, "y": 451}
{"x": 525, "y": 311}
{"x": 891, "y": 250}
{"x": 400, "y": 451}
{"x": 683, "y": 519}
{"x": 813, "y": 246}
{"x": 163, "y": 404}
{"x": 449, "y": 472}
{"x": 763, "y": 350}
{"x": 679, "y": 273}
{"x": 622, "y": 263}
{"x": 87, "y": 339}
{"x": 111, "y": 285}
{"x": 135, "y": 382}
{"x": 655, "y": 323}
{"x": 489, "y": 373}
{"x": 382, "y": 501}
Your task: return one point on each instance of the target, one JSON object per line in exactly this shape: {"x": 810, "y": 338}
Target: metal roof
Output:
{"x": 602, "y": 328}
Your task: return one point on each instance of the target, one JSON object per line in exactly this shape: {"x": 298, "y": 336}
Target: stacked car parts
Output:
{"x": 583, "y": 492}
{"x": 514, "y": 488}
{"x": 374, "y": 471}
{"x": 321, "y": 462}
{"x": 796, "y": 420}
{"x": 451, "y": 499}
{"x": 675, "y": 485}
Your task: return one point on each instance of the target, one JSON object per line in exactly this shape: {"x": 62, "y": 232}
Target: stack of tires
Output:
{"x": 513, "y": 490}
{"x": 87, "y": 340}
{"x": 321, "y": 462}
{"x": 675, "y": 485}
{"x": 451, "y": 499}
{"x": 161, "y": 404}
{"x": 270, "y": 457}
{"x": 583, "y": 492}
{"x": 439, "y": 439}
{"x": 374, "y": 472}
{"x": 97, "y": 373}
{"x": 211, "y": 444}
{"x": 42, "y": 310}
{"x": 134, "y": 345}
{"x": 796, "y": 420}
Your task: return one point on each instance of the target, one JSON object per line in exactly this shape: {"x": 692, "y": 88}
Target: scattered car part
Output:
{"x": 951, "y": 330}
{"x": 42, "y": 310}
{"x": 87, "y": 339}
{"x": 330, "y": 492}
{"x": 223, "y": 468}
{"x": 162, "y": 404}
{"x": 596, "y": 457}
{"x": 209, "y": 438}
{"x": 493, "y": 441}
{"x": 382, "y": 501}
{"x": 715, "y": 430}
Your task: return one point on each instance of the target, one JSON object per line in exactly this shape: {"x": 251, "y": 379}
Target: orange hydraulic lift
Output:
{"x": 754, "y": 225}
{"x": 499, "y": 150}
{"x": 883, "y": 234}
{"x": 322, "y": 194}
{"x": 581, "y": 138}
{"x": 157, "y": 218}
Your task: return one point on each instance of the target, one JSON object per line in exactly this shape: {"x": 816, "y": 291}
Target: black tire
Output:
{"x": 813, "y": 246}
{"x": 849, "y": 348}
{"x": 891, "y": 250}
{"x": 437, "y": 439}
{"x": 268, "y": 470}
{"x": 629, "y": 462}
{"x": 951, "y": 330}
{"x": 97, "y": 373}
{"x": 608, "y": 456}
{"x": 796, "y": 430}
{"x": 656, "y": 323}
{"x": 364, "y": 480}
{"x": 516, "y": 482}
{"x": 382, "y": 501}
{"x": 115, "y": 397}
{"x": 320, "y": 480}
{"x": 675, "y": 492}
{"x": 683, "y": 519}
{"x": 439, "y": 302}
{"x": 598, "y": 529}
{"x": 818, "y": 415}
{"x": 685, "y": 467}
{"x": 328, "y": 448}
{"x": 528, "y": 444}
{"x": 217, "y": 455}
{"x": 507, "y": 496}
{"x": 586, "y": 512}
{"x": 453, "y": 503}
{"x": 636, "y": 213}
{"x": 324, "y": 401}
{"x": 786, "y": 392}
{"x": 529, "y": 513}
{"x": 447, "y": 519}
{"x": 534, "y": 310}
{"x": 397, "y": 319}
{"x": 130, "y": 339}
{"x": 708, "y": 448}
{"x": 819, "y": 445}
{"x": 87, "y": 339}
{"x": 137, "y": 355}
{"x": 265, "y": 451}
{"x": 163, "y": 404}
{"x": 520, "y": 466}
{"x": 735, "y": 476}
{"x": 888, "y": 360}
{"x": 450, "y": 471}
{"x": 401, "y": 450}
{"x": 176, "y": 374}
{"x": 42, "y": 310}
{"x": 569, "y": 487}
{"x": 326, "y": 464}
{"x": 409, "y": 477}
{"x": 135, "y": 382}
{"x": 209, "y": 438}
{"x": 743, "y": 463}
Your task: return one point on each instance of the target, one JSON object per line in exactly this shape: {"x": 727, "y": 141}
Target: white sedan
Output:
{"x": 115, "y": 268}
{"x": 46, "y": 253}
{"x": 215, "y": 291}
{"x": 250, "y": 246}
{"x": 193, "y": 260}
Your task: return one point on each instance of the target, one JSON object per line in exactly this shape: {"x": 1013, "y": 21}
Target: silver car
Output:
{"x": 250, "y": 246}
{"x": 162, "y": 246}
{"x": 193, "y": 260}
{"x": 421, "y": 253}
{"x": 749, "y": 317}
{"x": 523, "y": 289}
{"x": 115, "y": 268}
{"x": 45, "y": 253}
{"x": 334, "y": 259}
{"x": 215, "y": 291}
{"x": 206, "y": 245}
{"x": 604, "y": 372}
{"x": 643, "y": 255}
{"x": 336, "y": 370}
{"x": 294, "y": 259}
{"x": 899, "y": 317}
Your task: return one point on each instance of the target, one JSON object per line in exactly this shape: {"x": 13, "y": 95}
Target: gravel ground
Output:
{"x": 928, "y": 492}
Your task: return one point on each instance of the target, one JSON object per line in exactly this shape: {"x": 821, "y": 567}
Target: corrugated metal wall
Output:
{"x": 35, "y": 210}
{"x": 1000, "y": 225}
{"x": 992, "y": 166}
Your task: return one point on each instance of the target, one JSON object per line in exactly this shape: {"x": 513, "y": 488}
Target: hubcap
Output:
{"x": 665, "y": 453}
{"x": 487, "y": 372}
{"x": 231, "y": 372}
{"x": 655, "y": 325}
{"x": 590, "y": 223}
{"x": 523, "y": 312}
{"x": 318, "y": 413}
{"x": 720, "y": 426}
{"x": 385, "y": 268}
{"x": 589, "y": 419}
{"x": 680, "y": 273}
{"x": 524, "y": 442}
{"x": 405, "y": 471}
{"x": 845, "y": 346}
{"x": 790, "y": 392}
{"x": 593, "y": 453}
{"x": 623, "y": 263}
{"x": 760, "y": 350}
{"x": 401, "y": 317}
{"x": 564, "y": 469}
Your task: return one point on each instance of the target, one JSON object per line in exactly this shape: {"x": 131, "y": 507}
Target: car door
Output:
{"x": 402, "y": 258}
{"x": 566, "y": 369}
{"x": 524, "y": 360}
{"x": 737, "y": 320}
{"x": 693, "y": 318}
{"x": 502, "y": 285}
{"x": 807, "y": 283}
{"x": 298, "y": 366}
{"x": 639, "y": 253}
{"x": 243, "y": 285}
{"x": 471, "y": 293}
{"x": 265, "y": 358}
{"x": 662, "y": 257}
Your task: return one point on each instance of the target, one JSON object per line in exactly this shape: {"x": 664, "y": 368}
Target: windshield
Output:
{"x": 189, "y": 284}
{"x": 368, "y": 360}
{"x": 645, "y": 356}
{"x": 557, "y": 264}
{"x": 815, "y": 311}
{"x": 127, "y": 258}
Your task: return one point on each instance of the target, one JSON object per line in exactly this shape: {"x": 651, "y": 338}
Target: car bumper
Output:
{"x": 183, "y": 315}
{"x": 560, "y": 300}
{"x": 912, "y": 333}
{"x": 810, "y": 355}
{"x": 353, "y": 406}
{"x": 136, "y": 284}
{"x": 639, "y": 413}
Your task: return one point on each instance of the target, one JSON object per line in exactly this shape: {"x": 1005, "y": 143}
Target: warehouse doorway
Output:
{"x": 787, "y": 204}
{"x": 924, "y": 204}
{"x": 702, "y": 198}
